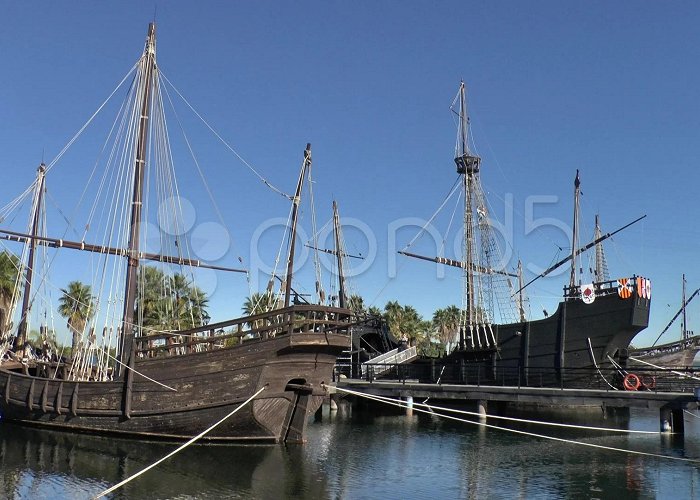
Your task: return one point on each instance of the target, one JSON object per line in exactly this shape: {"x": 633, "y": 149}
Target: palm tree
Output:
{"x": 393, "y": 313}
{"x": 446, "y": 324}
{"x": 258, "y": 303}
{"x": 356, "y": 304}
{"x": 169, "y": 302}
{"x": 405, "y": 322}
{"x": 374, "y": 311}
{"x": 9, "y": 269}
{"x": 197, "y": 303}
{"x": 151, "y": 310}
{"x": 77, "y": 306}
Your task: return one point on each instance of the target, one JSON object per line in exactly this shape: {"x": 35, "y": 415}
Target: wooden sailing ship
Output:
{"x": 680, "y": 353}
{"x": 591, "y": 328}
{"x": 173, "y": 383}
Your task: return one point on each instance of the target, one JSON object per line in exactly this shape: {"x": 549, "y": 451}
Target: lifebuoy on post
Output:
{"x": 631, "y": 382}
{"x": 649, "y": 382}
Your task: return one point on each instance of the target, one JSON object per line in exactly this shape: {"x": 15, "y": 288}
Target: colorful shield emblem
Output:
{"x": 624, "y": 288}
{"x": 644, "y": 288}
{"x": 587, "y": 293}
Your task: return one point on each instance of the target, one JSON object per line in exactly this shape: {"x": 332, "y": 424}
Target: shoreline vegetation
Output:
{"x": 188, "y": 308}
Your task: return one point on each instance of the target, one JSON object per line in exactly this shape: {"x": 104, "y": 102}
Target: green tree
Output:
{"x": 151, "y": 310}
{"x": 40, "y": 339}
{"x": 446, "y": 324}
{"x": 169, "y": 302}
{"x": 404, "y": 321}
{"x": 425, "y": 340}
{"x": 374, "y": 311}
{"x": 9, "y": 270}
{"x": 77, "y": 306}
{"x": 258, "y": 303}
{"x": 357, "y": 304}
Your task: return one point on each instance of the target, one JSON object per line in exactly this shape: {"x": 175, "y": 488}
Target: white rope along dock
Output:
{"x": 403, "y": 404}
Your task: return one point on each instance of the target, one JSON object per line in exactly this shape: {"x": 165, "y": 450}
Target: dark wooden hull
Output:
{"x": 209, "y": 385}
{"x": 577, "y": 336}
{"x": 680, "y": 354}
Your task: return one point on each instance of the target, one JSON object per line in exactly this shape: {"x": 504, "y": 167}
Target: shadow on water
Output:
{"x": 37, "y": 463}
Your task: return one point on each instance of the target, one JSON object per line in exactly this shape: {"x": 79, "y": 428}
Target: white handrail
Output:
{"x": 385, "y": 361}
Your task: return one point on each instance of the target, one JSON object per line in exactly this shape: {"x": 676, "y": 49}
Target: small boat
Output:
{"x": 590, "y": 330}
{"x": 679, "y": 354}
{"x": 167, "y": 383}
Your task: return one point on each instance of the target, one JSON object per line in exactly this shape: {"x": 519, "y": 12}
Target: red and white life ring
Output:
{"x": 631, "y": 382}
{"x": 648, "y": 382}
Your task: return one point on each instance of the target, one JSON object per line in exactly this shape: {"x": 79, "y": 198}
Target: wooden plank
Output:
{"x": 30, "y": 396}
{"x": 44, "y": 397}
{"x": 74, "y": 400}
{"x": 59, "y": 399}
{"x": 7, "y": 388}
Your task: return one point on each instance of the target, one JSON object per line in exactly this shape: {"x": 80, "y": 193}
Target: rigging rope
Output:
{"x": 454, "y": 188}
{"x": 136, "y": 371}
{"x": 77, "y": 134}
{"x": 449, "y": 225}
{"x": 196, "y": 161}
{"x": 223, "y": 141}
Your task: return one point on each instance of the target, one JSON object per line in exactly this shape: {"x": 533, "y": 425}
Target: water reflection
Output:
{"x": 44, "y": 464}
{"x": 365, "y": 452}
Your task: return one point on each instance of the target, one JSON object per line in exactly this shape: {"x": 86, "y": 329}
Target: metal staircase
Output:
{"x": 388, "y": 360}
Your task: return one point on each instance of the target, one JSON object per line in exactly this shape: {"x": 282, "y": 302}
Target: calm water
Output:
{"x": 361, "y": 454}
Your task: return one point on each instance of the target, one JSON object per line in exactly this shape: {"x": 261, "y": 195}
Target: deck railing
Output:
{"x": 288, "y": 321}
{"x": 601, "y": 288}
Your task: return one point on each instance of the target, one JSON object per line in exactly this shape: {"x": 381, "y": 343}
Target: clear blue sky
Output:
{"x": 610, "y": 88}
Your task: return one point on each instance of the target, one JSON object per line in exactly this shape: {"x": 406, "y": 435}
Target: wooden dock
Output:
{"x": 669, "y": 404}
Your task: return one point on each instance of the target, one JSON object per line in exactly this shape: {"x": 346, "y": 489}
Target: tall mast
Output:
{"x": 21, "y": 338}
{"x": 521, "y": 304}
{"x": 295, "y": 214}
{"x": 601, "y": 266}
{"x": 684, "y": 325}
{"x": 574, "y": 235}
{"x": 339, "y": 255}
{"x": 468, "y": 167}
{"x": 147, "y": 63}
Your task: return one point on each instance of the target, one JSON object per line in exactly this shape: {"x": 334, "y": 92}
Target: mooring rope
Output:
{"x": 662, "y": 368}
{"x": 438, "y": 381}
{"x": 182, "y": 447}
{"x": 617, "y": 366}
{"x": 402, "y": 404}
{"x": 690, "y": 413}
{"x": 595, "y": 363}
{"x": 512, "y": 419}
